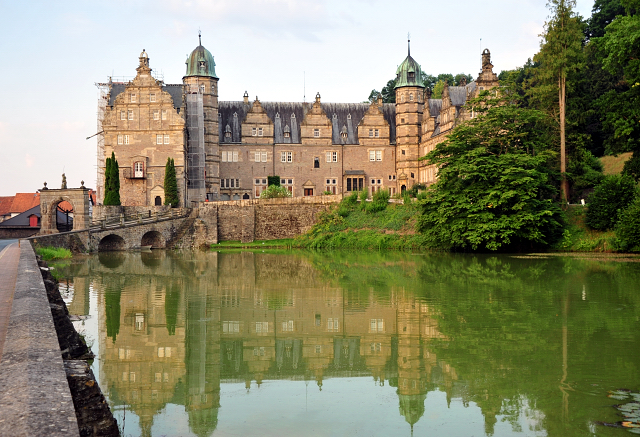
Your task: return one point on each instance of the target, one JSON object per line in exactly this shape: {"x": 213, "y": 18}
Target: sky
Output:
{"x": 53, "y": 53}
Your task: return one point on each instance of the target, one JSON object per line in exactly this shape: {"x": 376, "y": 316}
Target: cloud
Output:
{"x": 28, "y": 160}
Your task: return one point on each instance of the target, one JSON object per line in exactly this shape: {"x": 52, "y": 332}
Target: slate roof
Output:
{"x": 175, "y": 90}
{"x": 291, "y": 114}
{"x": 22, "y": 219}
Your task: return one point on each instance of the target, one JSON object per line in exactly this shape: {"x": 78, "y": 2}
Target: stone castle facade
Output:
{"x": 225, "y": 150}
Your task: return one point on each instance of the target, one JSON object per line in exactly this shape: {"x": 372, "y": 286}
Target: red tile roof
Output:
{"x": 24, "y": 201}
{"x": 5, "y": 205}
{"x": 64, "y": 206}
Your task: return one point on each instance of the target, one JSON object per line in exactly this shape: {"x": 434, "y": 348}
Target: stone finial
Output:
{"x": 246, "y": 98}
{"x": 82, "y": 184}
{"x": 379, "y": 99}
{"x": 45, "y": 187}
{"x": 64, "y": 182}
{"x": 318, "y": 97}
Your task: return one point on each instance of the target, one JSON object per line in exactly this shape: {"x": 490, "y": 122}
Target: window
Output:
{"x": 402, "y": 120}
{"x": 378, "y": 155}
{"x": 164, "y": 114}
{"x": 120, "y": 139}
{"x": 130, "y": 115}
{"x": 343, "y": 135}
{"x": 411, "y": 95}
{"x": 332, "y": 156}
{"x": 262, "y": 328}
{"x": 260, "y": 131}
{"x": 126, "y": 139}
{"x": 258, "y": 351}
{"x": 287, "y": 326}
{"x": 230, "y": 327}
{"x": 376, "y": 185}
{"x": 403, "y": 152}
{"x": 254, "y": 131}
{"x": 318, "y": 349}
{"x": 224, "y": 156}
{"x": 316, "y": 162}
{"x": 257, "y": 156}
{"x": 308, "y": 191}
{"x": 152, "y": 97}
{"x": 332, "y": 325}
{"x": 372, "y": 155}
{"x": 158, "y": 139}
{"x": 287, "y": 134}
{"x": 288, "y": 184}
{"x": 229, "y": 183}
{"x": 402, "y": 98}
{"x": 355, "y": 184}
{"x": 229, "y": 156}
{"x": 371, "y": 133}
{"x": 202, "y": 89}
{"x": 263, "y": 156}
{"x": 156, "y": 115}
{"x": 235, "y": 156}
{"x": 166, "y": 139}
{"x": 133, "y": 98}
{"x": 377, "y": 325}
{"x": 316, "y": 133}
{"x": 123, "y": 115}
{"x": 139, "y": 322}
{"x": 286, "y": 156}
{"x": 138, "y": 170}
{"x": 377, "y": 133}
{"x": 332, "y": 187}
{"x": 259, "y": 185}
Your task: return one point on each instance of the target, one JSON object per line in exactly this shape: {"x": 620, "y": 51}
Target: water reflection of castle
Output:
{"x": 171, "y": 330}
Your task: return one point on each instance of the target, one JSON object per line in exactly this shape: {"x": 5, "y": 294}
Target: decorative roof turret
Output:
{"x": 409, "y": 72}
{"x": 200, "y": 62}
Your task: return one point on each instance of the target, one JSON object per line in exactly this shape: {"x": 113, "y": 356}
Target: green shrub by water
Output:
{"x": 612, "y": 195}
{"x": 49, "y": 253}
{"x": 628, "y": 228}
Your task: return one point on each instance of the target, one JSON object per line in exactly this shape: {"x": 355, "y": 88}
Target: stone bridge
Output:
{"x": 157, "y": 231}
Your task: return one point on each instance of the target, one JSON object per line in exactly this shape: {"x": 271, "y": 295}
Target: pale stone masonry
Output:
{"x": 225, "y": 150}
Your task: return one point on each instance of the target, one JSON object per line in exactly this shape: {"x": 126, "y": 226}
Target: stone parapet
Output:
{"x": 34, "y": 394}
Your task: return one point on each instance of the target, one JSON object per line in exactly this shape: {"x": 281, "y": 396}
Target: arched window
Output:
{"x": 411, "y": 97}
{"x": 158, "y": 201}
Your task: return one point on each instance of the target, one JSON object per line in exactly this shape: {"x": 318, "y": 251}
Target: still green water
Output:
{"x": 372, "y": 344}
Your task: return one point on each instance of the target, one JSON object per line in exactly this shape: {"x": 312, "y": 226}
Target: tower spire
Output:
{"x": 408, "y": 44}
{"x": 199, "y": 37}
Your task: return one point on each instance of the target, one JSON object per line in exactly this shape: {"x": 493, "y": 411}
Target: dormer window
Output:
{"x": 260, "y": 132}
{"x": 152, "y": 97}
{"x": 343, "y": 135}
{"x": 202, "y": 64}
{"x": 227, "y": 132}
{"x": 138, "y": 169}
{"x": 348, "y": 116}
{"x": 287, "y": 132}
{"x": 254, "y": 131}
{"x": 411, "y": 75}
{"x": 133, "y": 98}
{"x": 277, "y": 115}
{"x": 316, "y": 133}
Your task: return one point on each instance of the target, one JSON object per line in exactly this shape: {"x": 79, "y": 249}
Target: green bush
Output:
{"x": 48, "y": 253}
{"x": 379, "y": 202}
{"x": 612, "y": 195}
{"x": 413, "y": 191}
{"x": 344, "y": 210}
{"x": 351, "y": 199}
{"x": 275, "y": 192}
{"x": 628, "y": 228}
{"x": 273, "y": 180}
{"x": 363, "y": 195}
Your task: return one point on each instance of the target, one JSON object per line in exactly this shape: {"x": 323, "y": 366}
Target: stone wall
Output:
{"x": 17, "y": 232}
{"x": 101, "y": 212}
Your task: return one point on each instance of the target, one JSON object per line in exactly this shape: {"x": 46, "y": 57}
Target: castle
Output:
{"x": 226, "y": 150}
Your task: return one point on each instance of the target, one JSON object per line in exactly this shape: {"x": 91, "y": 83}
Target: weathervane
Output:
{"x": 409, "y": 43}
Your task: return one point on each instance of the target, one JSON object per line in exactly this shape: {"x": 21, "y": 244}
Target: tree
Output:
{"x": 112, "y": 181}
{"x": 611, "y": 196}
{"x": 170, "y": 184}
{"x": 494, "y": 183}
{"x": 628, "y": 227}
{"x": 560, "y": 54}
{"x": 621, "y": 49}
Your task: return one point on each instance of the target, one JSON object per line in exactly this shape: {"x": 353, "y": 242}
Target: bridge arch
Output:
{"x": 111, "y": 243}
{"x": 154, "y": 239}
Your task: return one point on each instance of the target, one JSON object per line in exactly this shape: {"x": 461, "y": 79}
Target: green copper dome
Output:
{"x": 409, "y": 73}
{"x": 200, "y": 63}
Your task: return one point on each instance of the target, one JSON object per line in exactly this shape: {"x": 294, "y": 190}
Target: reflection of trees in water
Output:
{"x": 112, "y": 295}
{"x": 171, "y": 304}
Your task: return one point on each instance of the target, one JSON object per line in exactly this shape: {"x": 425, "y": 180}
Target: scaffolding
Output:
{"x": 195, "y": 148}
{"x": 103, "y": 97}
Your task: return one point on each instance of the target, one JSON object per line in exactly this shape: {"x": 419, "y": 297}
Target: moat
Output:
{"x": 334, "y": 343}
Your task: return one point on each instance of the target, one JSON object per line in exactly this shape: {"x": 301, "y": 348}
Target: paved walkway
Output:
{"x": 9, "y": 257}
